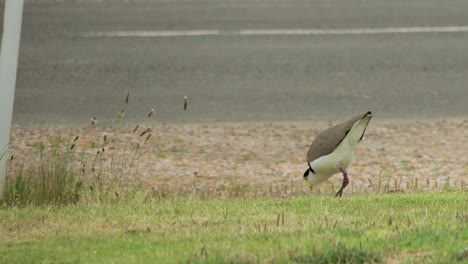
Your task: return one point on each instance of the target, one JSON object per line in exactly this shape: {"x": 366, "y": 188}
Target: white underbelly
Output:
{"x": 342, "y": 156}
{"x": 328, "y": 165}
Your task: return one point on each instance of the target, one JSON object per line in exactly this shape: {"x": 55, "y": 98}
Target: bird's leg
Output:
{"x": 345, "y": 182}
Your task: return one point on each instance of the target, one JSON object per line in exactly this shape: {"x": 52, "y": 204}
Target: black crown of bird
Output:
{"x": 332, "y": 151}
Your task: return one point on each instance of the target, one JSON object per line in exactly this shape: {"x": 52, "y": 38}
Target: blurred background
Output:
{"x": 72, "y": 66}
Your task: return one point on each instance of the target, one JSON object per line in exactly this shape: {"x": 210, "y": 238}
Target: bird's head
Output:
{"x": 307, "y": 173}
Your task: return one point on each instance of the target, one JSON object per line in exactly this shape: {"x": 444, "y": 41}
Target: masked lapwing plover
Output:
{"x": 333, "y": 150}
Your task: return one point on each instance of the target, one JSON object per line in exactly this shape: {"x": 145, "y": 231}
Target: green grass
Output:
{"x": 409, "y": 227}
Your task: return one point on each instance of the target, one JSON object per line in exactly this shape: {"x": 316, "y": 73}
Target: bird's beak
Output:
{"x": 311, "y": 188}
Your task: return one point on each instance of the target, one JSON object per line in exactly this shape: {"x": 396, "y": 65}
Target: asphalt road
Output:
{"x": 66, "y": 78}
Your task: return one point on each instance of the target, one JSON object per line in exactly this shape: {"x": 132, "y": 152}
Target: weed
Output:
{"x": 65, "y": 171}
{"x": 53, "y": 179}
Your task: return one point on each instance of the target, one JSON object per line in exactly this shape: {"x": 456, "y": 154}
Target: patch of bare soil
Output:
{"x": 267, "y": 157}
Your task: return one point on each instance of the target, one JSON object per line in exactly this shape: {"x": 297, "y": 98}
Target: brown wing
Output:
{"x": 326, "y": 142}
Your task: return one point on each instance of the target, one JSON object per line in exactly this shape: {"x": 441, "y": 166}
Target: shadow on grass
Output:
{"x": 336, "y": 254}
{"x": 339, "y": 254}
{"x": 460, "y": 256}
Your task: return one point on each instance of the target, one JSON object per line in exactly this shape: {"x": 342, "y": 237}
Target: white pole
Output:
{"x": 8, "y": 66}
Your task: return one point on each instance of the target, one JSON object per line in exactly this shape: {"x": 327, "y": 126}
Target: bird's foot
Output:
{"x": 311, "y": 187}
{"x": 339, "y": 193}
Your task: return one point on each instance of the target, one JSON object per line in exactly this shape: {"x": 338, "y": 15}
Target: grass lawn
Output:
{"x": 390, "y": 228}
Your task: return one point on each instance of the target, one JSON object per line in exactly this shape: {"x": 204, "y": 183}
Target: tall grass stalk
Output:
{"x": 52, "y": 179}
{"x": 65, "y": 171}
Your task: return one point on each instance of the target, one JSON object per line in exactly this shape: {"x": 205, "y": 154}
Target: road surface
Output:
{"x": 73, "y": 67}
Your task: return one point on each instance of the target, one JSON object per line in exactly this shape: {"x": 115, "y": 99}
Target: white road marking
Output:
{"x": 165, "y": 33}
{"x": 273, "y": 32}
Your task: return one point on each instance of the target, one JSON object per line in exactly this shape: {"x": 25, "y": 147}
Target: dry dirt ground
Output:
{"x": 267, "y": 157}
